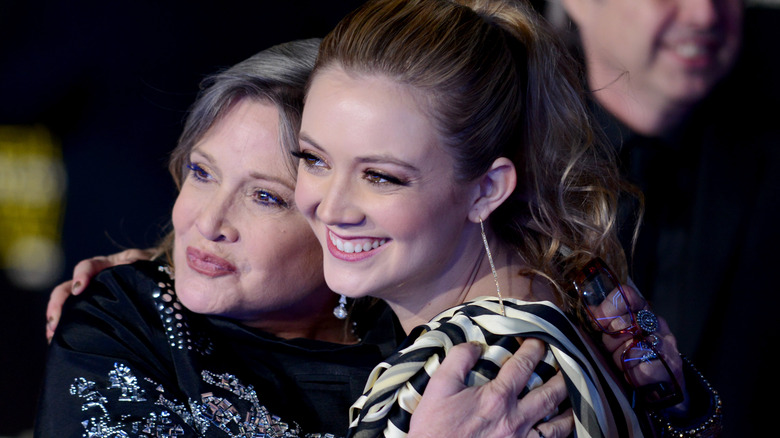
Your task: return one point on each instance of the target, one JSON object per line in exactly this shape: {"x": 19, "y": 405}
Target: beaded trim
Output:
{"x": 710, "y": 426}
{"x": 177, "y": 327}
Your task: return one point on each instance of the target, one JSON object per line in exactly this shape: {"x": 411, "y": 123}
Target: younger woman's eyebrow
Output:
{"x": 305, "y": 138}
{"x": 369, "y": 159}
{"x": 385, "y": 159}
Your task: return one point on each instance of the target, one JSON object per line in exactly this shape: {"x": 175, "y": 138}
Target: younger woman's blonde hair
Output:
{"x": 496, "y": 81}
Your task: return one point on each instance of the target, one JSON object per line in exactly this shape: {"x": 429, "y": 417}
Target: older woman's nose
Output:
{"x": 214, "y": 222}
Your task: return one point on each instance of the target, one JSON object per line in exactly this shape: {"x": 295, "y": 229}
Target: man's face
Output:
{"x": 675, "y": 50}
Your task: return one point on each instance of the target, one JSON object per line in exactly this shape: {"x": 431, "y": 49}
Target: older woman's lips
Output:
{"x": 208, "y": 264}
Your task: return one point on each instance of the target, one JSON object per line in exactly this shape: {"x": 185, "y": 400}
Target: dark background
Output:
{"x": 112, "y": 80}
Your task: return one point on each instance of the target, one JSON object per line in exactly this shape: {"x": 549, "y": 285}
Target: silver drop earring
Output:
{"x": 340, "y": 311}
{"x": 492, "y": 266}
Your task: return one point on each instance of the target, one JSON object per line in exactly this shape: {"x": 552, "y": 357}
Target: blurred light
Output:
{"x": 32, "y": 187}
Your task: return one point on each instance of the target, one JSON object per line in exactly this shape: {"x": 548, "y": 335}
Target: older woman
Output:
{"x": 245, "y": 340}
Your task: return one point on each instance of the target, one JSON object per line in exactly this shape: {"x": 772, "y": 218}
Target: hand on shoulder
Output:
{"x": 84, "y": 271}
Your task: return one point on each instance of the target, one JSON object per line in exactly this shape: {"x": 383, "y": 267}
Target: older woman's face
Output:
{"x": 379, "y": 190}
{"x": 242, "y": 249}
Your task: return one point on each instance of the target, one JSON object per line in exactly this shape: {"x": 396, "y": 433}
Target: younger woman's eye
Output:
{"x": 380, "y": 178}
{"x": 264, "y": 197}
{"x": 309, "y": 160}
{"x": 198, "y": 172}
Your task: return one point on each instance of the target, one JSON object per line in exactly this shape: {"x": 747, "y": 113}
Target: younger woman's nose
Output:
{"x": 340, "y": 204}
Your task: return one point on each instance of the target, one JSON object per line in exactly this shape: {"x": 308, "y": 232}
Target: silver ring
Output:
{"x": 541, "y": 435}
{"x": 647, "y": 321}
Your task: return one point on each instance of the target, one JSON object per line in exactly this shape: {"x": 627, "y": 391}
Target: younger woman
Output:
{"x": 447, "y": 157}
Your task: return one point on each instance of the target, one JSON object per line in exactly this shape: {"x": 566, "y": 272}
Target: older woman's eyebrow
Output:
{"x": 266, "y": 177}
{"x": 253, "y": 174}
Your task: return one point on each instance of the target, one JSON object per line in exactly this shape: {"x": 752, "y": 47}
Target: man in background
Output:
{"x": 687, "y": 92}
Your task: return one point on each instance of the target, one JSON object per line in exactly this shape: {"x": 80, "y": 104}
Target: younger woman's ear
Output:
{"x": 495, "y": 186}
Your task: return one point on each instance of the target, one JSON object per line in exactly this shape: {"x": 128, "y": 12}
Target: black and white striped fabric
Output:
{"x": 395, "y": 386}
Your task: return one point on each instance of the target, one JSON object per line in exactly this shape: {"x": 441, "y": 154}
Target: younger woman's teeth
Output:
{"x": 351, "y": 247}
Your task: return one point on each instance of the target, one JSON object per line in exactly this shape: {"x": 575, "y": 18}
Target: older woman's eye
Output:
{"x": 198, "y": 172}
{"x": 264, "y": 197}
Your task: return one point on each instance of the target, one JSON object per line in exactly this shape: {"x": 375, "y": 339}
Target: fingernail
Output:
{"x": 479, "y": 345}
{"x": 76, "y": 287}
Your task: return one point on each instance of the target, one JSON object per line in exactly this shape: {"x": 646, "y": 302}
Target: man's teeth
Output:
{"x": 351, "y": 247}
{"x": 690, "y": 50}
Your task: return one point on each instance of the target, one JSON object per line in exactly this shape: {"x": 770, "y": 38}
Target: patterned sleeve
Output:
{"x": 105, "y": 374}
{"x": 396, "y": 385}
{"x": 126, "y": 361}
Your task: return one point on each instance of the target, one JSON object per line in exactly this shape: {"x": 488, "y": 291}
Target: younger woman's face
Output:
{"x": 241, "y": 247}
{"x": 379, "y": 190}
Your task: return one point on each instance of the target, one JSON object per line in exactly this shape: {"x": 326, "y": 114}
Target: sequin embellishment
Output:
{"x": 222, "y": 413}
{"x": 204, "y": 416}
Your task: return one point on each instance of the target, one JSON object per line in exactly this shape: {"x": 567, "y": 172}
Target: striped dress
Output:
{"x": 395, "y": 385}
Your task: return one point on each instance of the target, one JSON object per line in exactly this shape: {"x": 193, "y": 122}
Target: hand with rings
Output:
{"x": 641, "y": 345}
{"x": 650, "y": 337}
{"x": 493, "y": 409}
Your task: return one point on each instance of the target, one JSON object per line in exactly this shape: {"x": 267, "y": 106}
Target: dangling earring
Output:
{"x": 340, "y": 311}
{"x": 492, "y": 266}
